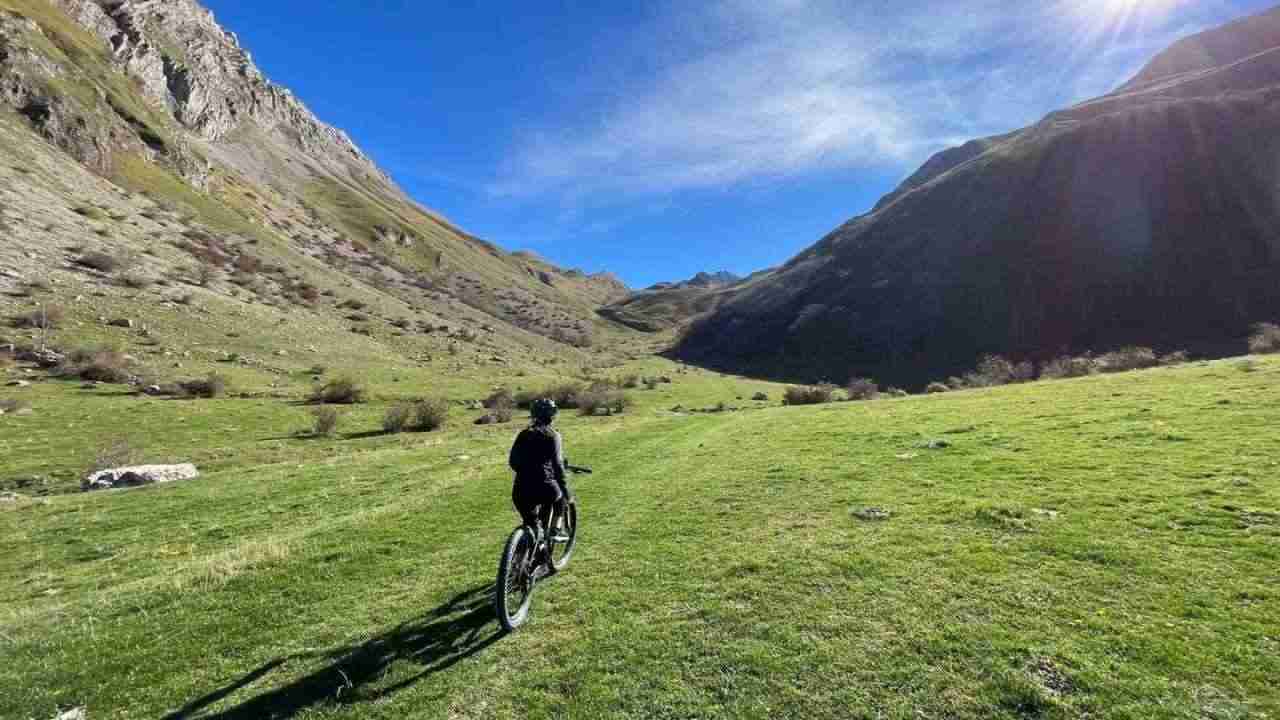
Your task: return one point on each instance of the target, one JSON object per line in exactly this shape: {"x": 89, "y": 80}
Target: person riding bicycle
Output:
{"x": 537, "y": 457}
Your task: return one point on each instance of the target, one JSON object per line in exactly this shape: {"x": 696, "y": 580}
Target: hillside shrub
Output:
{"x": 340, "y": 391}
{"x": 45, "y": 318}
{"x": 935, "y": 388}
{"x": 602, "y": 402}
{"x": 500, "y": 399}
{"x": 100, "y": 261}
{"x": 213, "y": 386}
{"x": 137, "y": 280}
{"x": 1129, "y": 358}
{"x": 1181, "y": 357}
{"x": 566, "y": 396}
{"x": 809, "y": 394}
{"x": 994, "y": 370}
{"x": 97, "y": 365}
{"x": 325, "y": 421}
{"x": 1069, "y": 367}
{"x": 36, "y": 286}
{"x": 760, "y": 397}
{"x": 1265, "y": 339}
{"x": 424, "y": 415}
{"x": 862, "y": 389}
{"x": 629, "y": 382}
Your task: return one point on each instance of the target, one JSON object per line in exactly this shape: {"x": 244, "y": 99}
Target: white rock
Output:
{"x": 139, "y": 475}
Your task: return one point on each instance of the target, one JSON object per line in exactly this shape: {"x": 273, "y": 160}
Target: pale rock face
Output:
{"x": 137, "y": 476}
{"x": 194, "y": 71}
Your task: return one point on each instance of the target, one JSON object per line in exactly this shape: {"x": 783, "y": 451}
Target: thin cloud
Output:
{"x": 765, "y": 88}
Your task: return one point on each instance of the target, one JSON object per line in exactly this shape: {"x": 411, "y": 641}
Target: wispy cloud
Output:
{"x": 745, "y": 89}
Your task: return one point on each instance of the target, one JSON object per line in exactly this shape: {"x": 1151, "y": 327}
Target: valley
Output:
{"x": 1042, "y": 481}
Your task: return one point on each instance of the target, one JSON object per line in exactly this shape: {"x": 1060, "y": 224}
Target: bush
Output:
{"x": 1129, "y": 358}
{"x": 810, "y": 394}
{"x": 525, "y": 399}
{"x": 630, "y": 382}
{"x": 99, "y": 260}
{"x": 44, "y": 318}
{"x": 760, "y": 397}
{"x": 213, "y": 386}
{"x": 1265, "y": 339}
{"x": 1069, "y": 367}
{"x": 1181, "y": 357}
{"x": 602, "y": 402}
{"x": 97, "y": 365}
{"x": 38, "y": 285}
{"x": 501, "y": 399}
{"x": 416, "y": 416}
{"x": 862, "y": 389}
{"x": 397, "y": 417}
{"x": 340, "y": 391}
{"x": 936, "y": 387}
{"x": 325, "y": 421}
{"x": 137, "y": 280}
{"x": 501, "y": 415}
{"x": 994, "y": 370}
{"x": 430, "y": 414}
{"x": 565, "y": 396}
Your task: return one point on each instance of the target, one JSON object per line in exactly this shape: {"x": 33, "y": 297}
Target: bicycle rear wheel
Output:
{"x": 513, "y": 591}
{"x": 564, "y": 524}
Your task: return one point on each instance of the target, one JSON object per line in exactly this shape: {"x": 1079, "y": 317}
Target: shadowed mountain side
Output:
{"x": 1144, "y": 217}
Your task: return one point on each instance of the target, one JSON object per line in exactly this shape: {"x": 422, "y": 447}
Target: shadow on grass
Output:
{"x": 452, "y": 632}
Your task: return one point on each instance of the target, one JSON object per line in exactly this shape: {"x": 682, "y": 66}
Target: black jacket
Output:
{"x": 537, "y": 457}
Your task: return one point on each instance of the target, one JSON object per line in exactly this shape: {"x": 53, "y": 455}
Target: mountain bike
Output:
{"x": 524, "y": 559}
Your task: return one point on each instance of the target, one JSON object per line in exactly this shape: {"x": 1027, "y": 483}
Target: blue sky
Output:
{"x": 657, "y": 139}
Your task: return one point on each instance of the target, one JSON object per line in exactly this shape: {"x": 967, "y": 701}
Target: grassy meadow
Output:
{"x": 1107, "y": 547}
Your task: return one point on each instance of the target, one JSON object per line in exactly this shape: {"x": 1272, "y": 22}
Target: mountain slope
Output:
{"x": 206, "y": 170}
{"x": 1147, "y": 216}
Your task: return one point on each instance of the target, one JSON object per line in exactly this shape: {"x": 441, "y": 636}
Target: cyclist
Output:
{"x": 537, "y": 457}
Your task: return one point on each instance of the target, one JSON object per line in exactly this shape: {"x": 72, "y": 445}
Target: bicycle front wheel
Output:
{"x": 513, "y": 591}
{"x": 564, "y": 525}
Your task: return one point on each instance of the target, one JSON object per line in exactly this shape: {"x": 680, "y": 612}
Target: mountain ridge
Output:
{"x": 1146, "y": 216}
{"x": 214, "y": 172}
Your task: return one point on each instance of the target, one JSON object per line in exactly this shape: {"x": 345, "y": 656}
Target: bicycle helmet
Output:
{"x": 544, "y": 411}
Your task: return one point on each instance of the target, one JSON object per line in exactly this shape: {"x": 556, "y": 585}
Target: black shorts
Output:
{"x": 527, "y": 495}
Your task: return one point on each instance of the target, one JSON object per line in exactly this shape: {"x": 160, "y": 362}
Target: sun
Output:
{"x": 1103, "y": 19}
{"x": 1110, "y": 12}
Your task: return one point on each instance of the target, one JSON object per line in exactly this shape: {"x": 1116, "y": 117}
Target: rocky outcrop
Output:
{"x": 1150, "y": 216}
{"x": 137, "y": 476}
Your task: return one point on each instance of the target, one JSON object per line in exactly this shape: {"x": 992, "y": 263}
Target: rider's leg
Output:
{"x": 559, "y": 518}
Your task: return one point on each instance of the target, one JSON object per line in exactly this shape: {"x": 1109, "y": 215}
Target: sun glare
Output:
{"x": 1121, "y": 12}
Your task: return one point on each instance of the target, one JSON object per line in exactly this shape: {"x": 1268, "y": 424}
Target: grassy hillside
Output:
{"x": 1105, "y": 547}
{"x": 90, "y": 163}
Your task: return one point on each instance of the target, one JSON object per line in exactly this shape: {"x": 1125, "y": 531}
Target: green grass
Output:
{"x": 1104, "y": 547}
